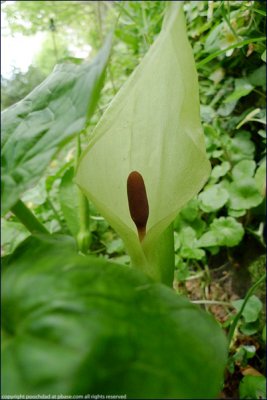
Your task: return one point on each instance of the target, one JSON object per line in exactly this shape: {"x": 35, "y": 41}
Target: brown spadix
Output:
{"x": 138, "y": 203}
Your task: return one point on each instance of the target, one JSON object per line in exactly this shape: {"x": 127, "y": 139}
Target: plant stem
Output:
{"x": 27, "y": 218}
{"x": 84, "y": 235}
{"x": 238, "y": 315}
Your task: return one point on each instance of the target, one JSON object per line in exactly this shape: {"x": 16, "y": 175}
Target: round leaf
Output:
{"x": 244, "y": 169}
{"x": 241, "y": 146}
{"x": 220, "y": 170}
{"x": 213, "y": 198}
{"x": 223, "y": 232}
{"x": 244, "y": 194}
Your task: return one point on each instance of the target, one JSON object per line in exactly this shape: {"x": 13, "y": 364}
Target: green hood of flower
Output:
{"x": 152, "y": 126}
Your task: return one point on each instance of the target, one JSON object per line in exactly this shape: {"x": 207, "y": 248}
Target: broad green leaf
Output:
{"x": 213, "y": 198}
{"x": 223, "y": 231}
{"x": 252, "y": 309}
{"x": 241, "y": 147}
{"x": 68, "y": 198}
{"x": 220, "y": 170}
{"x": 252, "y": 387}
{"x": 152, "y": 126}
{"x": 78, "y": 325}
{"x": 35, "y": 128}
{"x": 243, "y": 169}
{"x": 244, "y": 194}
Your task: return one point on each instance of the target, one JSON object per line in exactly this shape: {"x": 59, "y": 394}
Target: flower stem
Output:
{"x": 27, "y": 218}
{"x": 160, "y": 258}
{"x": 84, "y": 234}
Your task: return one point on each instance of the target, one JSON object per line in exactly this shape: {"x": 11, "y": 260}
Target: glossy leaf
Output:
{"x": 35, "y": 128}
{"x": 78, "y": 325}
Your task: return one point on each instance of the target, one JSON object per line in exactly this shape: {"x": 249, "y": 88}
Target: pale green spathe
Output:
{"x": 152, "y": 126}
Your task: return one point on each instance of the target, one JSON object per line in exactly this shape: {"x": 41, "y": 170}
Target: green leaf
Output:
{"x": 243, "y": 169}
{"x": 189, "y": 248}
{"x": 213, "y": 198}
{"x": 78, "y": 325}
{"x": 37, "y": 195}
{"x": 115, "y": 246}
{"x": 258, "y": 77}
{"x": 68, "y": 198}
{"x": 158, "y": 105}
{"x": 12, "y": 233}
{"x": 236, "y": 213}
{"x": 241, "y": 147}
{"x": 260, "y": 178}
{"x": 244, "y": 194}
{"x": 249, "y": 328}
{"x": 252, "y": 387}
{"x": 220, "y": 170}
{"x": 242, "y": 88}
{"x": 252, "y": 310}
{"x": 35, "y": 128}
{"x": 190, "y": 211}
{"x": 223, "y": 231}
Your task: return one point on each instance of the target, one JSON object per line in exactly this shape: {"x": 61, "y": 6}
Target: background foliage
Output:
{"x": 219, "y": 235}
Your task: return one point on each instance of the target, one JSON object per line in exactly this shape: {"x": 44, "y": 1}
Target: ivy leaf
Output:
{"x": 213, "y": 198}
{"x": 223, "y": 231}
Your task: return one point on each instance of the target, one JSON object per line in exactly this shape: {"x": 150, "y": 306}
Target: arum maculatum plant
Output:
{"x": 147, "y": 156}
